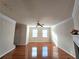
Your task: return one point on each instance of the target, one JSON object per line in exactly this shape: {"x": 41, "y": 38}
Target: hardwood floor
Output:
{"x": 25, "y": 52}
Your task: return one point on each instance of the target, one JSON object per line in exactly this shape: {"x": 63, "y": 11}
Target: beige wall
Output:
{"x": 7, "y": 29}
{"x": 62, "y": 37}
{"x": 20, "y": 34}
{"x": 39, "y": 38}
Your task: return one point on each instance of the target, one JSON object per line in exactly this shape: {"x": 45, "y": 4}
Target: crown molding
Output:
{"x": 4, "y": 17}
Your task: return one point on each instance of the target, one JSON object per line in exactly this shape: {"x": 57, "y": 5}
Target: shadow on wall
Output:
{"x": 20, "y": 34}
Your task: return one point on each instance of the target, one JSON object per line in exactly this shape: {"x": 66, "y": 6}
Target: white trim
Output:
{"x": 76, "y": 39}
{"x": 7, "y": 52}
{"x": 27, "y": 34}
{"x": 67, "y": 52}
{"x": 4, "y": 17}
{"x": 66, "y": 20}
{"x": 74, "y": 9}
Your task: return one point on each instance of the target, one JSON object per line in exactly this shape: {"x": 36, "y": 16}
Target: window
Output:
{"x": 34, "y": 33}
{"x": 44, "y": 33}
{"x": 34, "y": 51}
{"x": 45, "y": 51}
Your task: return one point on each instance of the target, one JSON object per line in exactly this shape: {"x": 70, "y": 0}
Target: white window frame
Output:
{"x": 45, "y": 33}
{"x": 34, "y": 33}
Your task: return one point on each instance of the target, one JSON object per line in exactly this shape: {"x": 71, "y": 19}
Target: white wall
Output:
{"x": 75, "y": 14}
{"x": 62, "y": 37}
{"x": 7, "y": 29}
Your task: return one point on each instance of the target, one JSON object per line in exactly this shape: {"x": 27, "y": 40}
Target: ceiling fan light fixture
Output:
{"x": 39, "y": 25}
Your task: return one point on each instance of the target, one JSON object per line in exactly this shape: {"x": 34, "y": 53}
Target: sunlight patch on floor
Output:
{"x": 45, "y": 51}
{"x": 55, "y": 52}
{"x": 34, "y": 51}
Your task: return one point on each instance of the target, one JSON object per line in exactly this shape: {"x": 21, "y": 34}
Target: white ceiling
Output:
{"x": 48, "y": 12}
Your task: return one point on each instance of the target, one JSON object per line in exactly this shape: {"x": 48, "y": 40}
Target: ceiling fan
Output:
{"x": 39, "y": 24}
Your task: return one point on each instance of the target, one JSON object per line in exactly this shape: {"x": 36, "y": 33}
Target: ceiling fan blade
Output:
{"x": 38, "y": 24}
{"x": 42, "y": 24}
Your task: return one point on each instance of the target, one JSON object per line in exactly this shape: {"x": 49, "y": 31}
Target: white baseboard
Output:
{"x": 7, "y": 52}
{"x": 67, "y": 52}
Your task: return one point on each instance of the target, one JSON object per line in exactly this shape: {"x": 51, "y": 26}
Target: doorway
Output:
{"x": 39, "y": 51}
